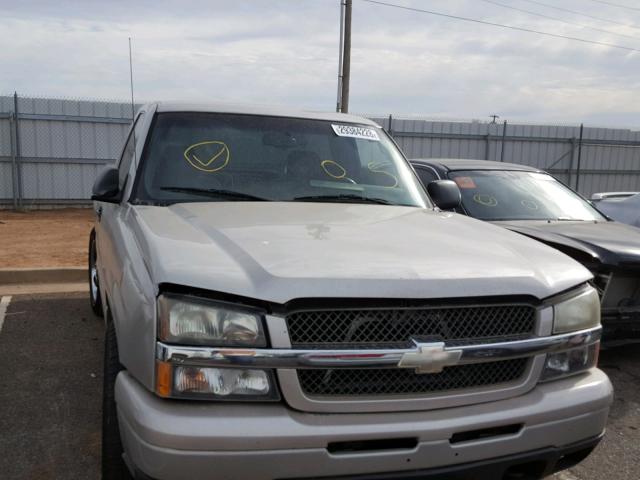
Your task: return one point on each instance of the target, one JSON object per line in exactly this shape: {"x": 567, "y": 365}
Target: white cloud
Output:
{"x": 285, "y": 51}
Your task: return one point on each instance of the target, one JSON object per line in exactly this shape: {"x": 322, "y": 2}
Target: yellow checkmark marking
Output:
{"x": 198, "y": 164}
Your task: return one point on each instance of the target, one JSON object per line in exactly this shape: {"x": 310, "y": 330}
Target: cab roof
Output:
{"x": 454, "y": 164}
{"x": 262, "y": 110}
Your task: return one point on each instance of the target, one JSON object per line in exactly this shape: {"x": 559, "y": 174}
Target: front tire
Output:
{"x": 94, "y": 283}
{"x": 113, "y": 465}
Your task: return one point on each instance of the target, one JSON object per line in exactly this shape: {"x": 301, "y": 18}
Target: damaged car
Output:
{"x": 533, "y": 203}
{"x": 282, "y": 300}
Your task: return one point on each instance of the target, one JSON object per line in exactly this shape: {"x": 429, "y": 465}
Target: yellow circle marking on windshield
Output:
{"x": 530, "y": 204}
{"x": 324, "y": 164}
{"x": 485, "y": 199}
{"x": 372, "y": 166}
{"x": 220, "y": 152}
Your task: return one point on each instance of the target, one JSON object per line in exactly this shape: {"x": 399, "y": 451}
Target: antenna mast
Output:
{"x": 133, "y": 113}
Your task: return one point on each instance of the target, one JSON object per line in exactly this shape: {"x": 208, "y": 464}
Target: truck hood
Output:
{"x": 278, "y": 251}
{"x": 609, "y": 244}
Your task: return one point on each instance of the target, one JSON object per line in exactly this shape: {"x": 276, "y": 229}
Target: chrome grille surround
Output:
{"x": 288, "y": 362}
{"x": 394, "y": 328}
{"x": 398, "y": 328}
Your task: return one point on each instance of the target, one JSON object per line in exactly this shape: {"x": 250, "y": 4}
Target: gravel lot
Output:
{"x": 50, "y": 396}
{"x": 62, "y": 238}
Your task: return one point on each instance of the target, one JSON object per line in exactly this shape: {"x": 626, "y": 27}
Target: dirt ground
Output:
{"x": 45, "y": 238}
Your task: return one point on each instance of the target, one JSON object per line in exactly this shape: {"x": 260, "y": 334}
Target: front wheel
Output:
{"x": 94, "y": 284}
{"x": 113, "y": 465}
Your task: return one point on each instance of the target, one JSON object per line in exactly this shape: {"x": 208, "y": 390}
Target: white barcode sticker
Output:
{"x": 354, "y": 131}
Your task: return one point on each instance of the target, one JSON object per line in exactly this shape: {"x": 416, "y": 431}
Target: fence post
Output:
{"x": 14, "y": 166}
{"x": 579, "y": 158}
{"x": 390, "y": 125}
{"x": 16, "y": 150}
{"x": 571, "y": 157}
{"x": 504, "y": 135}
{"x": 487, "y": 147}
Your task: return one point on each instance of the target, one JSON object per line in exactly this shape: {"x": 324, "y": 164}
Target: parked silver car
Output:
{"x": 621, "y": 206}
{"x": 282, "y": 300}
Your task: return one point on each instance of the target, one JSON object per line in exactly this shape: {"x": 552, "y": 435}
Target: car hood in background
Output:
{"x": 608, "y": 243}
{"x": 278, "y": 251}
{"x": 625, "y": 210}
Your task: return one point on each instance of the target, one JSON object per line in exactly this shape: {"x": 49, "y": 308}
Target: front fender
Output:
{"x": 132, "y": 300}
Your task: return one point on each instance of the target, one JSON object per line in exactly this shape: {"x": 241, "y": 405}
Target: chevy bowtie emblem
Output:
{"x": 430, "y": 358}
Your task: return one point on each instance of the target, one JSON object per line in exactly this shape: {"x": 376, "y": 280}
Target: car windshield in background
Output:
{"x": 200, "y": 157}
{"x": 513, "y": 195}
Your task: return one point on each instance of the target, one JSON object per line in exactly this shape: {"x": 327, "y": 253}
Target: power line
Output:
{"x": 500, "y": 25}
{"x": 617, "y": 5}
{"x": 581, "y": 25}
{"x": 582, "y": 14}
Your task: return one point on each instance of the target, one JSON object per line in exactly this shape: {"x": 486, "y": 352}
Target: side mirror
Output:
{"x": 445, "y": 194}
{"x": 106, "y": 188}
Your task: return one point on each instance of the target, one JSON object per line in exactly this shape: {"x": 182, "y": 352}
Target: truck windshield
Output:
{"x": 513, "y": 195}
{"x": 196, "y": 157}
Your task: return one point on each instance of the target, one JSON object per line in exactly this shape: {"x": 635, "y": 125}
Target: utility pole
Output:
{"x": 340, "y": 52}
{"x": 345, "y": 64}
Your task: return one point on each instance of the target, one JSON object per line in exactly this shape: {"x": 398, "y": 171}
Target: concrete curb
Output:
{"x": 22, "y": 276}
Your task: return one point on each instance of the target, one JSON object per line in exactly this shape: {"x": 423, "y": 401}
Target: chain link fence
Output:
{"x": 52, "y": 149}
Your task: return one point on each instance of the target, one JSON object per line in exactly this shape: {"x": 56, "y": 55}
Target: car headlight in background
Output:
{"x": 577, "y": 311}
{"x": 195, "y": 321}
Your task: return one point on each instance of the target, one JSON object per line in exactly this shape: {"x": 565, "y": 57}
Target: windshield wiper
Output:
{"x": 569, "y": 219}
{"x": 215, "y": 193}
{"x": 342, "y": 198}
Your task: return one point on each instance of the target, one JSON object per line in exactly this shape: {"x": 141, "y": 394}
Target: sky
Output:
{"x": 285, "y": 52}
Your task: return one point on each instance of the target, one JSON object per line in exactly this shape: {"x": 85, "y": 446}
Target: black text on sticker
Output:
{"x": 356, "y": 132}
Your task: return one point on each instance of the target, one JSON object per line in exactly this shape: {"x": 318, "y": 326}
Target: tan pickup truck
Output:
{"x": 283, "y": 301}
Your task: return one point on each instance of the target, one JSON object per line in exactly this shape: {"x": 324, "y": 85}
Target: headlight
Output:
{"x": 578, "y": 312}
{"x": 564, "y": 364}
{"x": 212, "y": 383}
{"x": 195, "y": 321}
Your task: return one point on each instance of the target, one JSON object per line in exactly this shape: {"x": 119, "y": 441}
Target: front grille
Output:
{"x": 394, "y": 381}
{"x": 394, "y": 328}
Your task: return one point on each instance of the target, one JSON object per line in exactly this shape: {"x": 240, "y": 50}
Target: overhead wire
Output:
{"x": 550, "y": 17}
{"x": 562, "y": 9}
{"x": 500, "y": 25}
{"x": 617, "y": 5}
